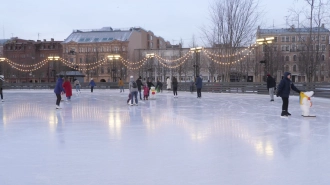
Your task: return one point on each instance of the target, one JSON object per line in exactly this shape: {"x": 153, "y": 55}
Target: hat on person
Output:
{"x": 131, "y": 77}
{"x": 61, "y": 76}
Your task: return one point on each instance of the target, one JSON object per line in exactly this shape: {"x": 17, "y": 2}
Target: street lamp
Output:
{"x": 265, "y": 42}
{"x": 113, "y": 58}
{"x": 196, "y": 50}
{"x": 52, "y": 58}
{"x": 150, "y": 56}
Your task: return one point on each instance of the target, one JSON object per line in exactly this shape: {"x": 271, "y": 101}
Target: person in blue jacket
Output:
{"x": 58, "y": 91}
{"x": 92, "y": 84}
{"x": 283, "y": 91}
{"x": 199, "y": 85}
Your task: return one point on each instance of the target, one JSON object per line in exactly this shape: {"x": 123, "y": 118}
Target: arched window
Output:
{"x": 294, "y": 57}
{"x": 322, "y": 58}
{"x": 287, "y": 68}
{"x": 287, "y": 58}
{"x": 294, "y": 68}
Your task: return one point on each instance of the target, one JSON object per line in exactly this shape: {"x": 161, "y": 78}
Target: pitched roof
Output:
{"x": 101, "y": 35}
{"x": 292, "y": 30}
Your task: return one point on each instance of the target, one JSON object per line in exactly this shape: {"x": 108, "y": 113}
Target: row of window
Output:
{"x": 295, "y": 68}
{"x": 297, "y": 48}
{"x": 295, "y": 58}
{"x": 299, "y": 38}
{"x": 94, "y": 49}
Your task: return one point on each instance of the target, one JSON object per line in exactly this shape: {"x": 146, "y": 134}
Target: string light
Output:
{"x": 232, "y": 55}
{"x": 225, "y": 63}
{"x": 175, "y": 60}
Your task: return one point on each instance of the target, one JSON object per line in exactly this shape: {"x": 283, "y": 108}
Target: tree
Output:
{"x": 232, "y": 25}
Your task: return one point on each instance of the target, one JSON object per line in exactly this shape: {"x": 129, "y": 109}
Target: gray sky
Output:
{"x": 171, "y": 19}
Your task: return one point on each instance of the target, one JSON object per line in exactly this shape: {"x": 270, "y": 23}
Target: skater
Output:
{"x": 271, "y": 84}
{"x": 77, "y": 85}
{"x": 92, "y": 84}
{"x": 159, "y": 86}
{"x": 133, "y": 89}
{"x": 2, "y": 79}
{"x": 58, "y": 91}
{"x": 191, "y": 86}
{"x": 284, "y": 92}
{"x": 121, "y": 85}
{"x": 150, "y": 84}
{"x": 140, "y": 85}
{"x": 129, "y": 98}
{"x": 168, "y": 83}
{"x": 67, "y": 89}
{"x": 145, "y": 92}
{"x": 175, "y": 87}
{"x": 199, "y": 85}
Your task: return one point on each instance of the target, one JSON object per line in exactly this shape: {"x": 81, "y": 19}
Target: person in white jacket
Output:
{"x": 169, "y": 83}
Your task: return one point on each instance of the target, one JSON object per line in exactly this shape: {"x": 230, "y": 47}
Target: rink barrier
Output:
{"x": 320, "y": 89}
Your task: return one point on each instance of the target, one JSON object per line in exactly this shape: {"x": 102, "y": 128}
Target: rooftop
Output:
{"x": 291, "y": 30}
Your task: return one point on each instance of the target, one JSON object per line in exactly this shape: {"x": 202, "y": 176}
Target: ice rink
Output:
{"x": 97, "y": 139}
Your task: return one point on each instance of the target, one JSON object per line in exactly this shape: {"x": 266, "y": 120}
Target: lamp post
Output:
{"x": 150, "y": 56}
{"x": 197, "y": 51}
{"x": 53, "y": 58}
{"x": 113, "y": 58}
{"x": 266, "y": 61}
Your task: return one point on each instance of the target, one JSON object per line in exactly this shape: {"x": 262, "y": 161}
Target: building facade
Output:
{"x": 28, "y": 52}
{"x": 84, "y": 47}
{"x": 298, "y": 50}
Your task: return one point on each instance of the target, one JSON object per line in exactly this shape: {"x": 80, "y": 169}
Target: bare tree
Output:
{"x": 233, "y": 25}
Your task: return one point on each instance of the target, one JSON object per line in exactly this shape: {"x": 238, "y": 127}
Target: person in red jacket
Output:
{"x": 68, "y": 89}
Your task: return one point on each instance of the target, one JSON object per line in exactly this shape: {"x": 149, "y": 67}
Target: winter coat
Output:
{"x": 92, "y": 83}
{"x": 76, "y": 82}
{"x": 58, "y": 87}
{"x": 285, "y": 86}
{"x": 67, "y": 88}
{"x": 175, "y": 83}
{"x": 159, "y": 85}
{"x": 199, "y": 83}
{"x": 130, "y": 86}
{"x": 168, "y": 81}
{"x": 121, "y": 83}
{"x": 270, "y": 82}
{"x": 150, "y": 84}
{"x": 145, "y": 91}
{"x": 1, "y": 83}
{"x": 139, "y": 84}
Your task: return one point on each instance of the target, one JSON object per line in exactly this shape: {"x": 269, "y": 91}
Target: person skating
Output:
{"x": 150, "y": 84}
{"x": 284, "y": 92}
{"x": 92, "y": 84}
{"x": 199, "y": 85}
{"x": 175, "y": 87}
{"x": 159, "y": 86}
{"x": 271, "y": 84}
{"x": 145, "y": 92}
{"x": 67, "y": 89}
{"x": 140, "y": 85}
{"x": 168, "y": 83}
{"x": 58, "y": 90}
{"x": 77, "y": 85}
{"x": 133, "y": 89}
{"x": 2, "y": 79}
{"x": 121, "y": 85}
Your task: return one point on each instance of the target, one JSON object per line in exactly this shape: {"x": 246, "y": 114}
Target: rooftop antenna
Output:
{"x": 273, "y": 24}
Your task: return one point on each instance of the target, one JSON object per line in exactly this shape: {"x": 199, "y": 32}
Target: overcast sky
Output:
{"x": 171, "y": 19}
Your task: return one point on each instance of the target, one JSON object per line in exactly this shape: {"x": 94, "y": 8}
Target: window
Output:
{"x": 323, "y": 38}
{"x": 109, "y": 39}
{"x": 323, "y": 47}
{"x": 287, "y": 48}
{"x": 283, "y": 39}
{"x": 317, "y": 47}
{"x": 293, "y": 39}
{"x": 80, "y": 60}
{"x": 275, "y": 40}
{"x": 275, "y": 48}
{"x": 71, "y": 60}
{"x": 123, "y": 48}
{"x": 283, "y": 48}
{"x": 104, "y": 39}
{"x": 151, "y": 45}
{"x": 323, "y": 58}
{"x": 294, "y": 57}
{"x": 81, "y": 39}
{"x": 287, "y": 39}
{"x": 287, "y": 58}
{"x": 87, "y": 40}
{"x": 96, "y": 39}
{"x": 294, "y": 68}
{"x": 94, "y": 49}
{"x": 287, "y": 68}
{"x": 108, "y": 70}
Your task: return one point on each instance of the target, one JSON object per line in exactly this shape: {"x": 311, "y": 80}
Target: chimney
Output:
{"x": 44, "y": 40}
{"x": 52, "y": 39}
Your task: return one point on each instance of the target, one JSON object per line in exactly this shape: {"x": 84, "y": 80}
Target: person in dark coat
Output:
{"x": 271, "y": 84}
{"x": 284, "y": 92}
{"x": 140, "y": 85}
{"x": 58, "y": 91}
{"x": 175, "y": 87}
{"x": 150, "y": 84}
{"x": 199, "y": 85}
{"x": 92, "y": 84}
{"x": 159, "y": 86}
{"x": 2, "y": 79}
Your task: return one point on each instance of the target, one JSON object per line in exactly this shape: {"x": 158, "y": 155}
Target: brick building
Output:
{"x": 89, "y": 46}
{"x": 29, "y": 52}
{"x": 289, "y": 49}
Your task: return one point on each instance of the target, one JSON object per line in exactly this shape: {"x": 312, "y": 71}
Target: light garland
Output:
{"x": 172, "y": 67}
{"x": 133, "y": 63}
{"x": 226, "y": 56}
{"x": 175, "y": 60}
{"x": 225, "y": 63}
{"x": 32, "y": 65}
{"x": 12, "y": 64}
{"x": 133, "y": 68}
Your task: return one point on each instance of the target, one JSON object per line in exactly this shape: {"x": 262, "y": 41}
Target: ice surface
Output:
{"x": 229, "y": 139}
